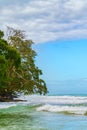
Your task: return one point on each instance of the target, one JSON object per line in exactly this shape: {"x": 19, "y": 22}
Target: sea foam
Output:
{"x": 57, "y": 99}
{"x": 69, "y": 104}
{"x": 69, "y": 109}
{"x": 7, "y": 105}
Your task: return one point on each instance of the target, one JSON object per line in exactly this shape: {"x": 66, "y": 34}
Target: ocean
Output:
{"x": 59, "y": 112}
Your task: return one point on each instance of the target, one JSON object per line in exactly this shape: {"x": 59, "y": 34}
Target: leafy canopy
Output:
{"x": 18, "y": 71}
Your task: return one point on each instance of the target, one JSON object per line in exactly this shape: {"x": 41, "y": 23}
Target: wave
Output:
{"x": 56, "y": 99}
{"x": 6, "y": 105}
{"x": 65, "y": 104}
{"x": 79, "y": 110}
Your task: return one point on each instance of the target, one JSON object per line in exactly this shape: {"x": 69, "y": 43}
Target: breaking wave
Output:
{"x": 64, "y": 104}
{"x": 59, "y": 104}
{"x": 6, "y": 105}
{"x": 80, "y": 110}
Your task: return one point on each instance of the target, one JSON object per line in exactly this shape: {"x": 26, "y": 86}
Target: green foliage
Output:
{"x": 9, "y": 59}
{"x": 3, "y": 68}
{"x": 18, "y": 72}
{"x": 1, "y": 34}
{"x": 28, "y": 75}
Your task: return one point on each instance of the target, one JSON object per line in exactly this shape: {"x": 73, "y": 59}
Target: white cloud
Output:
{"x": 47, "y": 20}
{"x": 76, "y": 5}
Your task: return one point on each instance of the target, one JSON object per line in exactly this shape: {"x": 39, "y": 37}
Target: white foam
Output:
{"x": 70, "y": 109}
{"x": 56, "y": 99}
{"x": 6, "y": 105}
{"x": 56, "y": 103}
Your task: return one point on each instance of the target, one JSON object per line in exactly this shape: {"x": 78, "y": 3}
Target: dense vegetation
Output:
{"x": 18, "y": 72}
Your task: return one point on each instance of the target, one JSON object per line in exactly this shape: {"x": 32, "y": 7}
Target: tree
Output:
{"x": 27, "y": 77}
{"x": 9, "y": 60}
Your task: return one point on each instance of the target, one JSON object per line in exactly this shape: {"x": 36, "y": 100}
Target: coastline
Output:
{"x": 12, "y": 100}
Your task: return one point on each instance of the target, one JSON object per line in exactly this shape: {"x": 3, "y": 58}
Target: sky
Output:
{"x": 59, "y": 30}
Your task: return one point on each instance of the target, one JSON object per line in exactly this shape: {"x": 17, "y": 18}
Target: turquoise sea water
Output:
{"x": 45, "y": 113}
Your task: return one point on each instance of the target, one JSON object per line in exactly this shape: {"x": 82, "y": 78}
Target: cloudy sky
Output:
{"x": 59, "y": 30}
{"x": 46, "y": 20}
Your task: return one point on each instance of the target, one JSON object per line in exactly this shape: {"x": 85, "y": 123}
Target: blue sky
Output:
{"x": 65, "y": 60}
{"x": 64, "y": 64}
{"x": 59, "y": 30}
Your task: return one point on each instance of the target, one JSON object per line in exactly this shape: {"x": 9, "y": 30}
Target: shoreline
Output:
{"x": 12, "y": 100}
